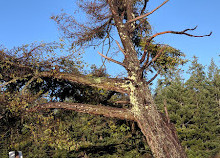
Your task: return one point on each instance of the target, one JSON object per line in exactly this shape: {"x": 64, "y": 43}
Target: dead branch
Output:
{"x": 112, "y": 112}
{"x": 110, "y": 59}
{"x": 122, "y": 102}
{"x": 147, "y": 14}
{"x": 184, "y": 32}
{"x": 144, "y": 55}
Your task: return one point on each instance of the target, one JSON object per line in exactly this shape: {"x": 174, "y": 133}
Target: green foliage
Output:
{"x": 59, "y": 133}
{"x": 194, "y": 108}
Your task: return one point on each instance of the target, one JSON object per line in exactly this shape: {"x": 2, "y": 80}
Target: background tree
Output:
{"x": 194, "y": 110}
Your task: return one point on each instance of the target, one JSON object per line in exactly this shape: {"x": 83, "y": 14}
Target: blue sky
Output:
{"x": 27, "y": 21}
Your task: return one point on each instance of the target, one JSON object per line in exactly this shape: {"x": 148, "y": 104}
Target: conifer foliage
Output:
{"x": 193, "y": 106}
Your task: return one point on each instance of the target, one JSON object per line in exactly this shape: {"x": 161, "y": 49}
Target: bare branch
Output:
{"x": 120, "y": 48}
{"x": 113, "y": 84}
{"x": 145, "y": 15}
{"x": 178, "y": 32}
{"x": 158, "y": 72}
{"x": 147, "y": 64}
{"x": 112, "y": 112}
{"x": 110, "y": 59}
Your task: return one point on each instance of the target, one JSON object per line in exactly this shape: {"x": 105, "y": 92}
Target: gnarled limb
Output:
{"x": 113, "y": 84}
{"x": 120, "y": 113}
{"x": 14, "y": 80}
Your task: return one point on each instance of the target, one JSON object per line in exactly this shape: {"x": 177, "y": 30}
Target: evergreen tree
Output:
{"x": 194, "y": 109}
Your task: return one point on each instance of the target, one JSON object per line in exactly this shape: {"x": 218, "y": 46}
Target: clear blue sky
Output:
{"x": 27, "y": 21}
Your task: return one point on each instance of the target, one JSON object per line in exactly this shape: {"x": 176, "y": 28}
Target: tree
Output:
{"x": 193, "y": 108}
{"x": 141, "y": 56}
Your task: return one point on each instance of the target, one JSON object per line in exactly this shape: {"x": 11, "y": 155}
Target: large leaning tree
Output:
{"x": 142, "y": 56}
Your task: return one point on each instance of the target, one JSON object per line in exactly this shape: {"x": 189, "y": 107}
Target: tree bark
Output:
{"x": 120, "y": 113}
{"x": 160, "y": 134}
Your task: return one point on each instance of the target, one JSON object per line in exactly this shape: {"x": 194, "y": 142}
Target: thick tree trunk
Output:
{"x": 160, "y": 134}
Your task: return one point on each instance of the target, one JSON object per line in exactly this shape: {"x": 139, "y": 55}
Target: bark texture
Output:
{"x": 160, "y": 134}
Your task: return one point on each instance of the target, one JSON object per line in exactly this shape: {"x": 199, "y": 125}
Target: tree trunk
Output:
{"x": 160, "y": 134}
